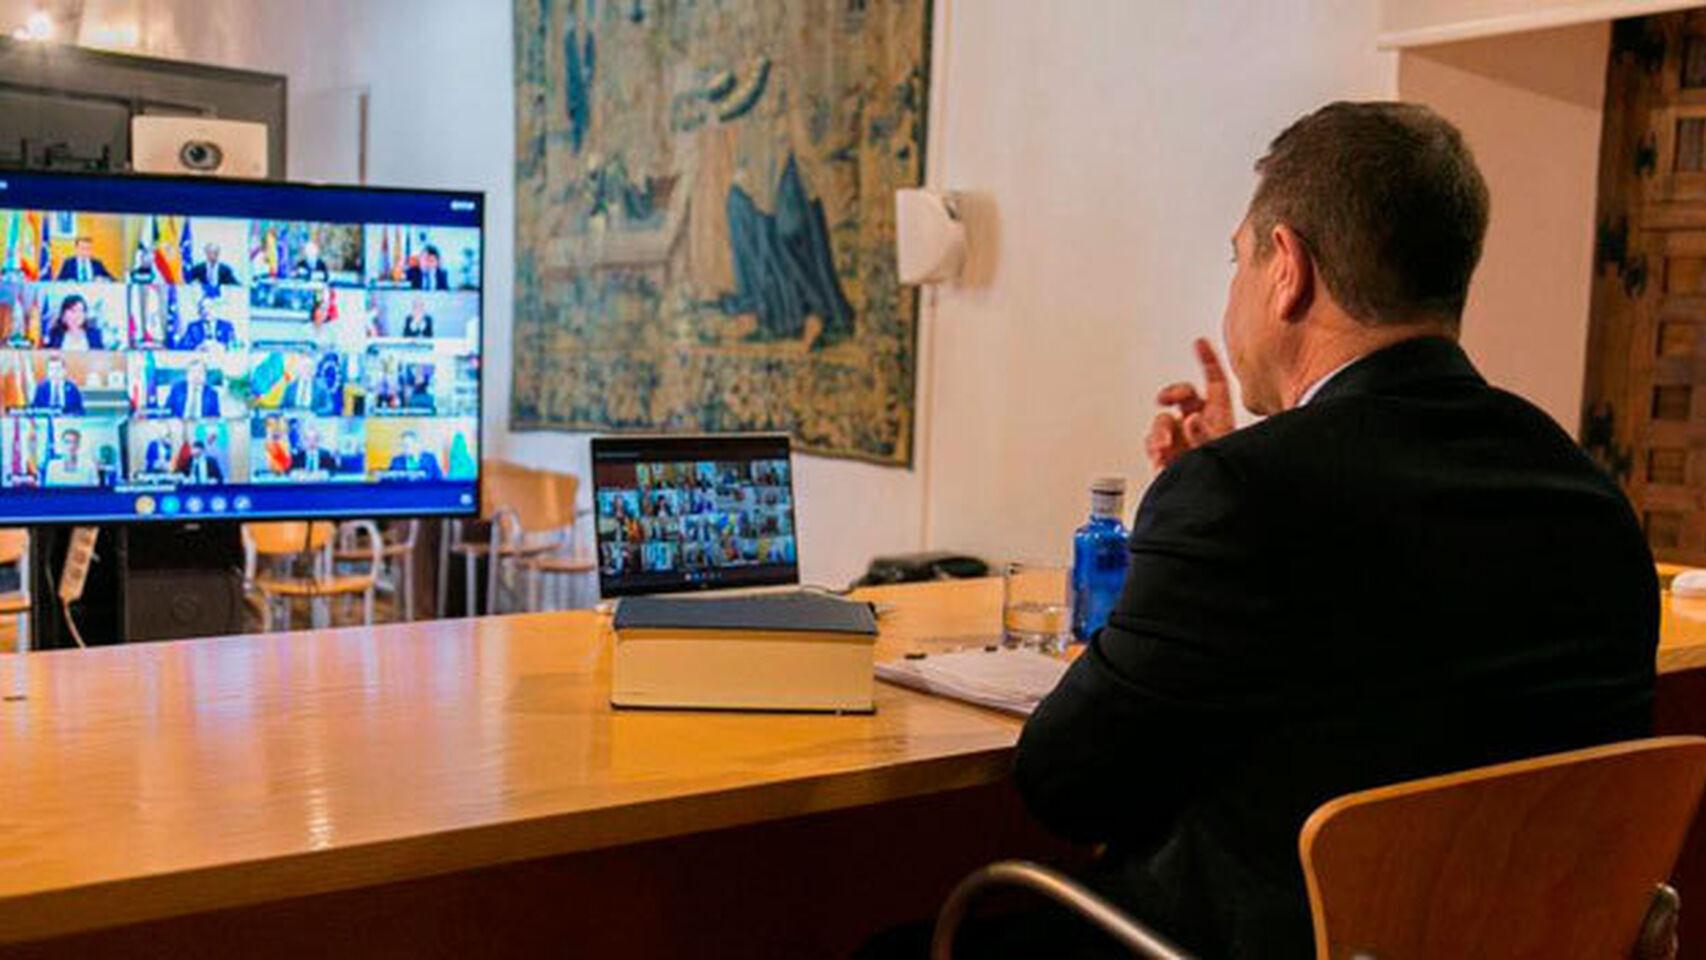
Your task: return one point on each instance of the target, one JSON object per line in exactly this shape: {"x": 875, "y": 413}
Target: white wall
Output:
{"x": 1117, "y": 139}
{"x": 1517, "y": 99}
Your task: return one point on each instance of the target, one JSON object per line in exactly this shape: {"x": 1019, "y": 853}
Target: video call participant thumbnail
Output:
{"x": 71, "y": 327}
{"x": 212, "y": 273}
{"x": 307, "y": 448}
{"x": 162, "y": 450}
{"x": 207, "y": 329}
{"x": 411, "y": 462}
{"x": 64, "y": 452}
{"x": 56, "y": 393}
{"x": 193, "y": 398}
{"x": 83, "y": 265}
{"x": 71, "y": 465}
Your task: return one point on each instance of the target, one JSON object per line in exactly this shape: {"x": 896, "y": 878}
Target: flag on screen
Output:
{"x": 44, "y": 262}
{"x": 269, "y": 252}
{"x": 48, "y": 451}
{"x": 172, "y": 315}
{"x": 32, "y": 321}
{"x": 27, "y": 262}
{"x": 166, "y": 261}
{"x": 284, "y": 254}
{"x": 11, "y": 239}
{"x": 461, "y": 465}
{"x": 267, "y": 381}
{"x": 186, "y": 249}
{"x": 134, "y": 377}
{"x": 384, "y": 254}
{"x": 15, "y": 398}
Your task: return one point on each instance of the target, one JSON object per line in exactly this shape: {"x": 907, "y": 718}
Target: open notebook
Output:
{"x": 1012, "y": 681}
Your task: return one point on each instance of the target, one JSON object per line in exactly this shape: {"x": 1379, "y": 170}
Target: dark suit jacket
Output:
{"x": 56, "y": 338}
{"x": 223, "y": 332}
{"x": 421, "y": 329}
{"x": 441, "y": 278}
{"x": 72, "y": 399}
{"x": 97, "y": 269}
{"x": 214, "y": 474}
{"x": 177, "y": 401}
{"x": 425, "y": 463}
{"x": 225, "y": 276}
{"x": 1412, "y": 574}
{"x": 324, "y": 460}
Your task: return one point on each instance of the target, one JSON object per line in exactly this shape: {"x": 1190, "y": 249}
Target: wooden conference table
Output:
{"x": 463, "y": 787}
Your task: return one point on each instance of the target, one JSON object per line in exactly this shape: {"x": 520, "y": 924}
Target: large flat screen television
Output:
{"x": 180, "y": 348}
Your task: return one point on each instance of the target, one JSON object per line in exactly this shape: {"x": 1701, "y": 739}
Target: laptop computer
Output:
{"x": 685, "y": 513}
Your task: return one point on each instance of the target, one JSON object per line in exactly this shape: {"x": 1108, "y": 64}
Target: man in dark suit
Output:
{"x": 211, "y": 273}
{"x": 206, "y": 329}
{"x": 413, "y": 463}
{"x": 312, "y": 266}
{"x": 428, "y": 274}
{"x": 1401, "y": 571}
{"x": 418, "y": 323}
{"x": 56, "y": 394}
{"x": 83, "y": 265}
{"x": 193, "y": 398}
{"x": 200, "y": 467}
{"x": 312, "y": 458}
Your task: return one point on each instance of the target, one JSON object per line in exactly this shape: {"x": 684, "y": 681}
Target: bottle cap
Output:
{"x": 1108, "y": 484}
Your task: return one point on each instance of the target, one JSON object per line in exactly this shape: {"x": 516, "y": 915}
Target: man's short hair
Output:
{"x": 1389, "y": 202}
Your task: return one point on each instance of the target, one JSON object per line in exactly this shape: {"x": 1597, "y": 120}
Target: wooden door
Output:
{"x": 1644, "y": 415}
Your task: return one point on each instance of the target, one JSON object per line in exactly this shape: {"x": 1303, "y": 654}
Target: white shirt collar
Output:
{"x": 1310, "y": 391}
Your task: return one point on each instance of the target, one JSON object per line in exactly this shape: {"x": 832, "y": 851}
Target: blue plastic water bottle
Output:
{"x": 1099, "y": 558}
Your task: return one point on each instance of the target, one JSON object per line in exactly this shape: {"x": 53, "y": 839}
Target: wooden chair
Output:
{"x": 561, "y": 565}
{"x": 1558, "y": 856}
{"x": 15, "y": 551}
{"x": 283, "y": 544}
{"x": 530, "y": 513}
{"x": 1555, "y": 857}
{"x": 397, "y": 572}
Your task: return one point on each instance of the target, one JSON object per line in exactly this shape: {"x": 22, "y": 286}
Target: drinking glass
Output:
{"x": 1036, "y": 606}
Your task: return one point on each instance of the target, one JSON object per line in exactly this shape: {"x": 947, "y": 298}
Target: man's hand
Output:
{"x": 1200, "y": 417}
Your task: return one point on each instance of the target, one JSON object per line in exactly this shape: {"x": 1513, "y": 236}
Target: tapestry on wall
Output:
{"x": 705, "y": 217}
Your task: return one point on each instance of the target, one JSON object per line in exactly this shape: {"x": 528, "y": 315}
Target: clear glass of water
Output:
{"x": 1036, "y": 606}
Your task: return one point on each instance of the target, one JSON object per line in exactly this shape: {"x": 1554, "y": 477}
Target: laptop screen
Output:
{"x": 693, "y": 513}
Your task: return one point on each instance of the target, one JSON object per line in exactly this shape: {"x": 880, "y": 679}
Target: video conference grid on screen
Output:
{"x": 722, "y": 518}
{"x": 157, "y": 362}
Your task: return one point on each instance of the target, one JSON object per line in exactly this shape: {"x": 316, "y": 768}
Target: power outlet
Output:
{"x": 78, "y": 556}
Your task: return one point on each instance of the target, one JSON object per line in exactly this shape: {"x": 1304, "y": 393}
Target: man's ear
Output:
{"x": 1292, "y": 271}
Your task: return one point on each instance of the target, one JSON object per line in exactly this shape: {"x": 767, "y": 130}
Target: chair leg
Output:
{"x": 407, "y": 588}
{"x": 469, "y": 565}
{"x": 23, "y": 645}
{"x": 286, "y": 606}
{"x": 367, "y": 607}
{"x": 442, "y": 601}
{"x": 534, "y": 584}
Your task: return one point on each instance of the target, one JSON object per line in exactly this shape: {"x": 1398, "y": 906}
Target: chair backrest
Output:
{"x": 286, "y": 537}
{"x": 539, "y": 500}
{"x": 1555, "y": 856}
{"x": 13, "y": 542}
